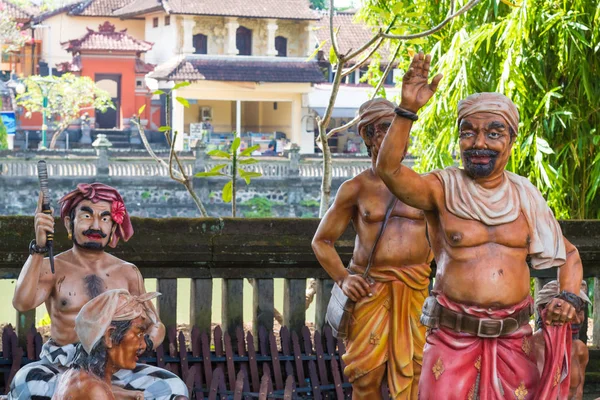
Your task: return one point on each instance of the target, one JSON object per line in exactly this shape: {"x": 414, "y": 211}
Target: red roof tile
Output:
{"x": 98, "y": 8}
{"x": 240, "y": 69}
{"x": 106, "y": 38}
{"x": 281, "y": 9}
{"x": 14, "y": 11}
{"x": 351, "y": 35}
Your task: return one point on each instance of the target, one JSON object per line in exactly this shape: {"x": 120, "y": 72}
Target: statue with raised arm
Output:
{"x": 111, "y": 329}
{"x": 486, "y": 227}
{"x": 95, "y": 217}
{"x": 385, "y": 337}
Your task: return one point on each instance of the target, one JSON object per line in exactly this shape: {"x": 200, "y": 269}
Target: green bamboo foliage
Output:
{"x": 544, "y": 55}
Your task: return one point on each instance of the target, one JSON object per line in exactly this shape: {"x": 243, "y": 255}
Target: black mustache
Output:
{"x": 480, "y": 153}
{"x": 94, "y": 232}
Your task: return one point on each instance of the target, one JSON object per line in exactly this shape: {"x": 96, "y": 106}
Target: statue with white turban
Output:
{"x": 111, "y": 329}
{"x": 385, "y": 338}
{"x": 487, "y": 227}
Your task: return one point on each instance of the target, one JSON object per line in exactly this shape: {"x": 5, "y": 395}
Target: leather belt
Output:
{"x": 481, "y": 327}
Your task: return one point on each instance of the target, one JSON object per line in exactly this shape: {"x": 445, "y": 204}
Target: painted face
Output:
{"x": 125, "y": 354}
{"x": 92, "y": 225}
{"x": 380, "y": 130}
{"x": 485, "y": 144}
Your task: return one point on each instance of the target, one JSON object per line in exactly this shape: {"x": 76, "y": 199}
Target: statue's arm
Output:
{"x": 35, "y": 281}
{"x": 34, "y": 284}
{"x": 332, "y": 226}
{"x": 411, "y": 188}
{"x": 156, "y": 332}
{"x": 570, "y": 273}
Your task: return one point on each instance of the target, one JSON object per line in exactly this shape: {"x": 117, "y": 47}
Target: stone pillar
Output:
{"x": 294, "y": 183}
{"x": 231, "y": 48}
{"x": 102, "y": 144}
{"x": 188, "y": 35}
{"x": 178, "y": 123}
{"x": 310, "y": 38}
{"x": 271, "y": 29}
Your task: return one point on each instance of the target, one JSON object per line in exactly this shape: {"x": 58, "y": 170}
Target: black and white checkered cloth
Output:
{"x": 37, "y": 381}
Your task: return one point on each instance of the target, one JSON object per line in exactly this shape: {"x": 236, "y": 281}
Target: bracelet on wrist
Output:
{"x": 35, "y": 249}
{"x": 403, "y": 113}
{"x": 572, "y": 299}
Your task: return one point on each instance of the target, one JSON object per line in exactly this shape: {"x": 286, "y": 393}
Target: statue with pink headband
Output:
{"x": 95, "y": 217}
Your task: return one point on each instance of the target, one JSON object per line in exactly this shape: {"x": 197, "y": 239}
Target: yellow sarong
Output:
{"x": 386, "y": 328}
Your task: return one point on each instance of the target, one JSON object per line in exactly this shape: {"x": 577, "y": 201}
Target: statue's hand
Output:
{"x": 124, "y": 394}
{"x": 43, "y": 224}
{"x": 355, "y": 287}
{"x": 416, "y": 91}
{"x": 559, "y": 311}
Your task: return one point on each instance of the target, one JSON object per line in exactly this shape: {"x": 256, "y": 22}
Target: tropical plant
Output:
{"x": 63, "y": 98}
{"x": 544, "y": 55}
{"x": 174, "y": 166}
{"x": 12, "y": 38}
{"x": 235, "y": 158}
{"x": 401, "y": 33}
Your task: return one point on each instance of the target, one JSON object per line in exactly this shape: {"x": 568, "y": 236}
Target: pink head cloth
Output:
{"x": 373, "y": 110}
{"x": 96, "y": 315}
{"x": 494, "y": 103}
{"x": 96, "y": 192}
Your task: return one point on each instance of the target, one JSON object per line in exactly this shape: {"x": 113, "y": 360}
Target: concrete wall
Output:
{"x": 158, "y": 197}
{"x": 165, "y": 38}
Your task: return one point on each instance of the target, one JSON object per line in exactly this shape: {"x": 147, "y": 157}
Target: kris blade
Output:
{"x": 43, "y": 177}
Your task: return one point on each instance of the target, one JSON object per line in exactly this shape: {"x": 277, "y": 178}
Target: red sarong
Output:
{"x": 463, "y": 366}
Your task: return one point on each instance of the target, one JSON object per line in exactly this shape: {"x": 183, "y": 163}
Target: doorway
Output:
{"x": 112, "y": 84}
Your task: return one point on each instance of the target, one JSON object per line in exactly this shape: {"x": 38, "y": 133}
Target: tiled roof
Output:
{"x": 106, "y": 38}
{"x": 98, "y": 8}
{"x": 143, "y": 68}
{"x": 70, "y": 66}
{"x": 281, "y": 9}
{"x": 351, "y": 35}
{"x": 239, "y": 68}
{"x": 14, "y": 11}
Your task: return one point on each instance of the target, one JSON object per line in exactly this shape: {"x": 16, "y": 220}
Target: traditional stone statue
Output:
{"x": 385, "y": 336}
{"x": 579, "y": 350}
{"x": 111, "y": 329}
{"x": 95, "y": 217}
{"x": 485, "y": 225}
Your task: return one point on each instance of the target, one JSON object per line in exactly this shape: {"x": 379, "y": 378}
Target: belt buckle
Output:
{"x": 498, "y": 322}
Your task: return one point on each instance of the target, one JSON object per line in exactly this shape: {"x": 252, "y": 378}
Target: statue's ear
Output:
{"x": 67, "y": 222}
{"x": 108, "y": 337}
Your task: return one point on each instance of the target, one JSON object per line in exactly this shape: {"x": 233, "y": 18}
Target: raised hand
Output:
{"x": 416, "y": 91}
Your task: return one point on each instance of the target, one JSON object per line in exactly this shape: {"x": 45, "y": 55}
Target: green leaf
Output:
{"x": 332, "y": 57}
{"x": 218, "y": 167}
{"x": 543, "y": 146}
{"x": 250, "y": 150}
{"x": 183, "y": 101}
{"x": 158, "y": 92}
{"x": 141, "y": 110}
{"x": 219, "y": 153}
{"x": 164, "y": 128}
{"x": 227, "y": 194}
{"x": 248, "y": 161}
{"x": 314, "y": 53}
{"x": 236, "y": 144}
{"x": 180, "y": 85}
{"x": 249, "y": 174}
{"x": 208, "y": 174}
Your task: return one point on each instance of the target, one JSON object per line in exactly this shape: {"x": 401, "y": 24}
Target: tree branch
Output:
{"x": 436, "y": 28}
{"x": 364, "y": 60}
{"x": 377, "y": 88}
{"x": 159, "y": 160}
{"x": 334, "y": 43}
